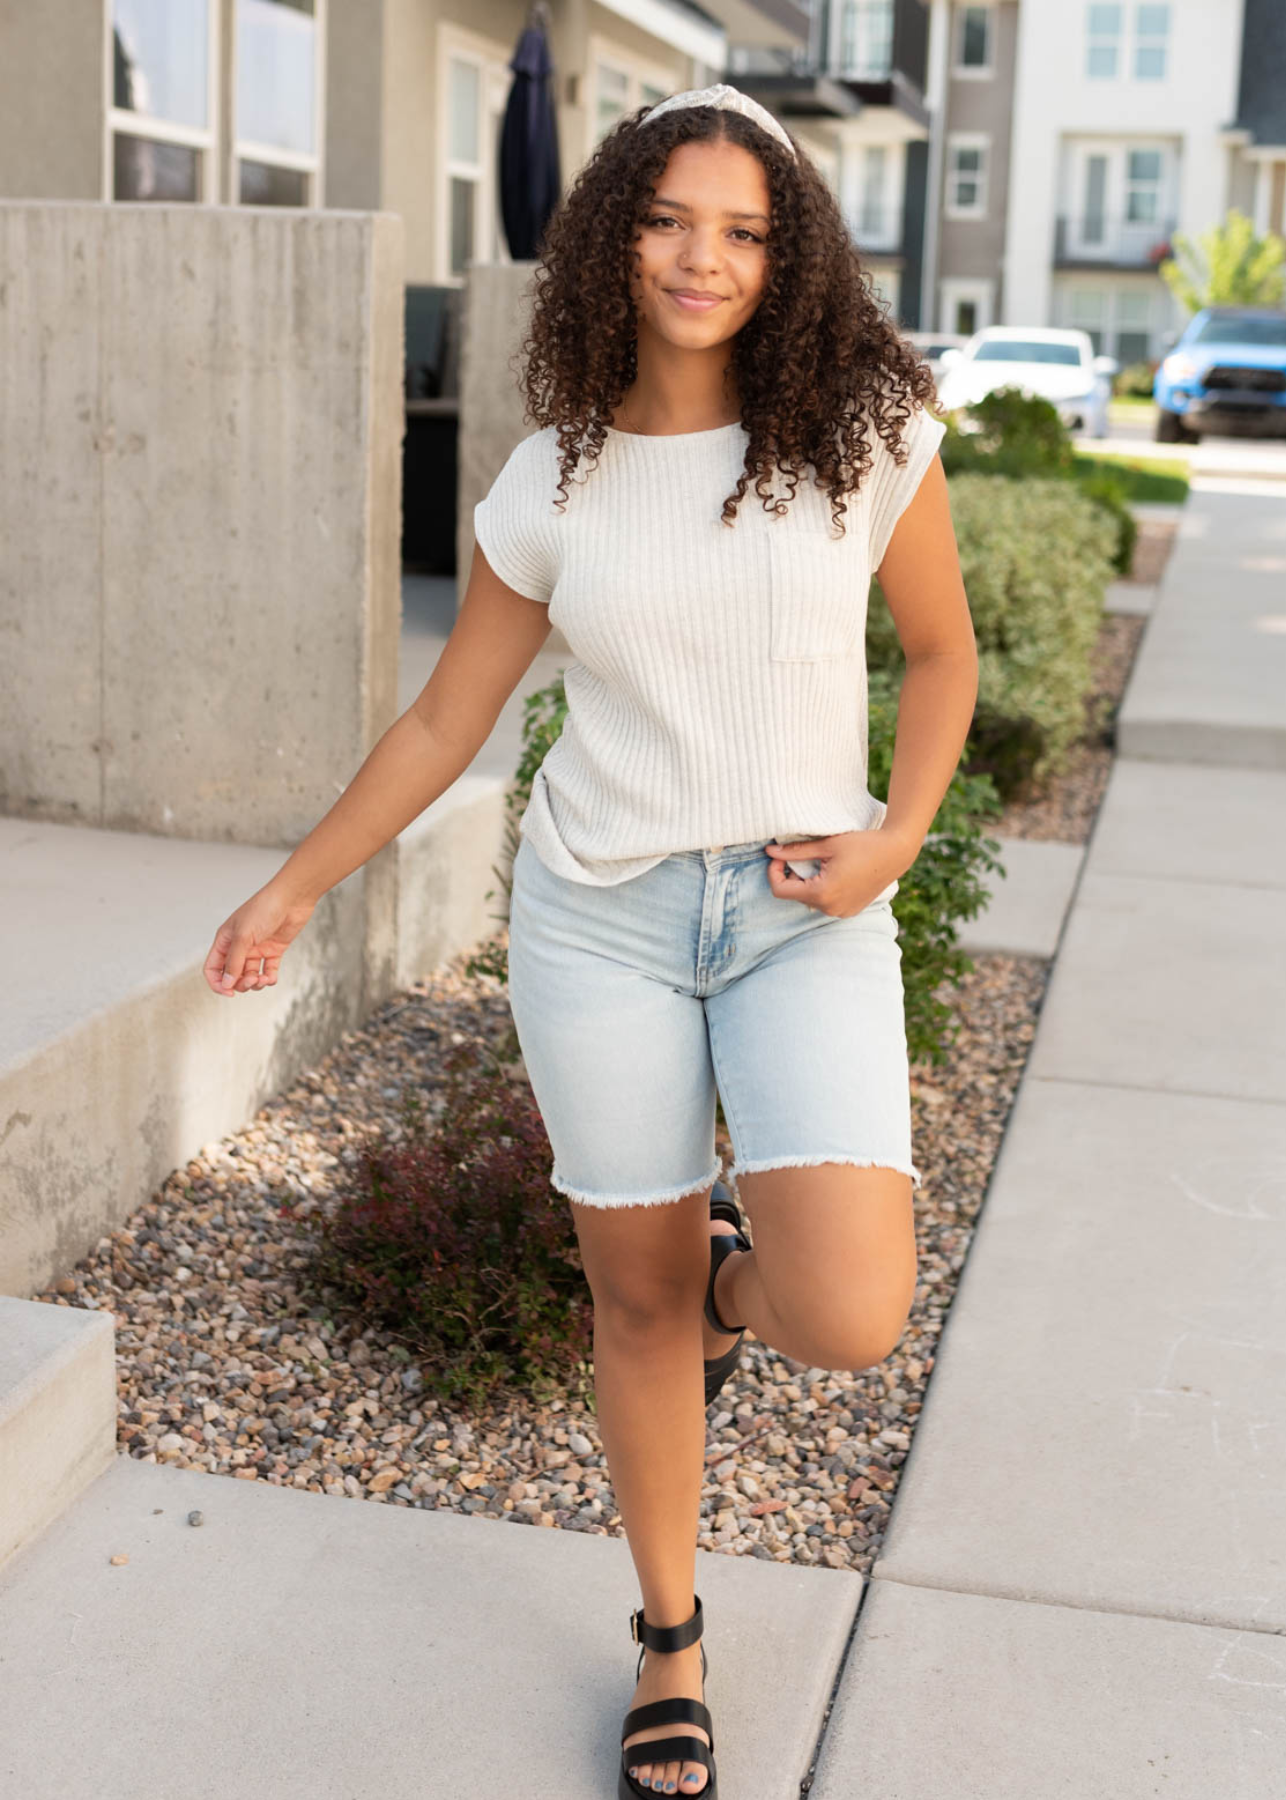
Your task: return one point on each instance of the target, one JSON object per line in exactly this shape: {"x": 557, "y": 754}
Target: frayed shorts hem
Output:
{"x": 810, "y": 1162}
{"x": 652, "y": 1199}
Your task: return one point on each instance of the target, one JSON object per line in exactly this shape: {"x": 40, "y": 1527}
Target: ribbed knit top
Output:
{"x": 718, "y": 688}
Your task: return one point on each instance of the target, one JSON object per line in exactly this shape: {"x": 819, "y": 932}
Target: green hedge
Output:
{"x": 1036, "y": 558}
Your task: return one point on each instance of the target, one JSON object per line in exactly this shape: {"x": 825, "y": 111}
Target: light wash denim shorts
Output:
{"x": 634, "y": 1003}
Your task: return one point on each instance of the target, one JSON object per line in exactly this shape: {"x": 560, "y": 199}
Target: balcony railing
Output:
{"x": 877, "y": 228}
{"x": 1124, "y": 243}
{"x": 769, "y": 59}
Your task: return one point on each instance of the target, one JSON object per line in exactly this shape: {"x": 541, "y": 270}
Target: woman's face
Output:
{"x": 705, "y": 234}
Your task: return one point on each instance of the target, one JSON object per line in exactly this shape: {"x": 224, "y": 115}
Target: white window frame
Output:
{"x": 1110, "y": 324}
{"x": 967, "y": 140}
{"x": 644, "y": 81}
{"x": 244, "y": 149}
{"x": 979, "y": 289}
{"x": 1152, "y": 41}
{"x": 1118, "y": 231}
{"x": 494, "y": 80}
{"x": 1100, "y": 40}
{"x": 861, "y": 65}
{"x": 1129, "y": 40}
{"x": 961, "y": 70}
{"x": 120, "y": 120}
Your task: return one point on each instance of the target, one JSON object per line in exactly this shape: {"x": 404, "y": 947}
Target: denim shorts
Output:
{"x": 634, "y": 1003}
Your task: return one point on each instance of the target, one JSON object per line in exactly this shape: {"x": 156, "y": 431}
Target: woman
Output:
{"x": 701, "y": 895}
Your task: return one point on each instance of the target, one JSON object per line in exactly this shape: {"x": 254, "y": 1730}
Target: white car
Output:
{"x": 1060, "y": 366}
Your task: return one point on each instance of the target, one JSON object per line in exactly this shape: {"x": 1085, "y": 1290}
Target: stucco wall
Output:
{"x": 51, "y": 99}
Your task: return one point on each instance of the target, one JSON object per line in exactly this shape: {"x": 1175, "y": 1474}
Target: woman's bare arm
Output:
{"x": 492, "y": 644}
{"x": 490, "y": 648}
{"x": 921, "y": 580}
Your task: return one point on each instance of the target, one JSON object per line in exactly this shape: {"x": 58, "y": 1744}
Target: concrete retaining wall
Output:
{"x": 199, "y": 513}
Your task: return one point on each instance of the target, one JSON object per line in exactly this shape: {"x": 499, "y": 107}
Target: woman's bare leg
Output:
{"x": 832, "y": 1275}
{"x": 647, "y": 1268}
{"x": 829, "y": 1284}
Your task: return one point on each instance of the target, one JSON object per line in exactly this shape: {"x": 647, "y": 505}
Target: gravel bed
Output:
{"x": 222, "y": 1367}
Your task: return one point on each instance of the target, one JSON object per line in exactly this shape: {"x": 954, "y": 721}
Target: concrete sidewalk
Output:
{"x": 1083, "y": 1589}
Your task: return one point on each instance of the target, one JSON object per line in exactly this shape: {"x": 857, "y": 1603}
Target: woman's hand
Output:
{"x": 856, "y": 866}
{"x": 249, "y": 945}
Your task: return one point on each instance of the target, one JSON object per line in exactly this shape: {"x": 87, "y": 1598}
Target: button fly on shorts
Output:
{"x": 716, "y": 937}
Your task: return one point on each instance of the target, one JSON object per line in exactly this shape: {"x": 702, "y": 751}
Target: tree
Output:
{"x": 1230, "y": 266}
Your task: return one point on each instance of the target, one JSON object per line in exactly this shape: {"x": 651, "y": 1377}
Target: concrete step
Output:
{"x": 57, "y": 1413}
{"x": 117, "y": 1063}
{"x": 297, "y": 1644}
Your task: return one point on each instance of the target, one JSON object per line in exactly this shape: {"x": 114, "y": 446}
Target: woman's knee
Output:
{"x": 854, "y": 1337}
{"x": 642, "y": 1307}
{"x": 644, "y": 1268}
{"x": 837, "y": 1258}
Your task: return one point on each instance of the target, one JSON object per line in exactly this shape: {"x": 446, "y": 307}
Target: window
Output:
{"x": 277, "y": 160}
{"x": 1118, "y": 320}
{"x": 163, "y": 99}
{"x": 1085, "y": 310}
{"x": 1133, "y": 327}
{"x": 1028, "y": 350}
{"x": 612, "y": 97}
{"x": 1094, "y": 223}
{"x": 1105, "y": 56}
{"x": 965, "y": 305}
{"x": 1104, "y": 25}
{"x": 464, "y": 157}
{"x": 871, "y": 218}
{"x": 866, "y": 39}
{"x": 966, "y": 175}
{"x": 973, "y": 40}
{"x": 1143, "y": 187}
{"x": 1151, "y": 31}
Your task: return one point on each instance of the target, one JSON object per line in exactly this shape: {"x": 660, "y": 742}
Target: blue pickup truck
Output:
{"x": 1227, "y": 370}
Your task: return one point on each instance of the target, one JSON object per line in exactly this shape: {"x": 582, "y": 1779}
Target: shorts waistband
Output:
{"x": 713, "y": 855}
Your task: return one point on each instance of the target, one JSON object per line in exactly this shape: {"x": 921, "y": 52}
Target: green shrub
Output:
{"x": 1108, "y": 490}
{"x": 543, "y": 715}
{"x": 944, "y": 885}
{"x": 1135, "y": 382}
{"x": 454, "y": 1241}
{"x": 1011, "y": 433}
{"x": 1036, "y": 558}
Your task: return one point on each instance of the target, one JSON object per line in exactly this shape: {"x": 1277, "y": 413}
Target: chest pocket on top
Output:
{"x": 818, "y": 607}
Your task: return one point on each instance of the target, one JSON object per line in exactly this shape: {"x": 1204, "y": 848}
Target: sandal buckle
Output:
{"x": 635, "y": 1616}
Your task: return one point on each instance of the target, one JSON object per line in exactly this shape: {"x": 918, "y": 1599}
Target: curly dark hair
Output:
{"x": 817, "y": 362}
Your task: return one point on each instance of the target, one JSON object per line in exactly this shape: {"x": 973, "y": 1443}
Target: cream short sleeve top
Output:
{"x": 718, "y": 687}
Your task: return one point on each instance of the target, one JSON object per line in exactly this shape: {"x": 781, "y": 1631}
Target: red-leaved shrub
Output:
{"x": 454, "y": 1242}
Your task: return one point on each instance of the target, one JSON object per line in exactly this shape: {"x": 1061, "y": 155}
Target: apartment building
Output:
{"x": 379, "y": 104}
{"x": 852, "y": 89}
{"x": 1120, "y": 118}
{"x": 1257, "y": 137}
{"x": 972, "y": 67}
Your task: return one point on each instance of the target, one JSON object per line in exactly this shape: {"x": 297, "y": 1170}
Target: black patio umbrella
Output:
{"x": 529, "y": 173}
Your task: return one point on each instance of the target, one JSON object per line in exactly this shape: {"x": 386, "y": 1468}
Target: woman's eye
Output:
{"x": 741, "y": 231}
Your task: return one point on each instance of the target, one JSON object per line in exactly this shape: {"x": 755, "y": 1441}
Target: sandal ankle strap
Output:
{"x": 667, "y": 1637}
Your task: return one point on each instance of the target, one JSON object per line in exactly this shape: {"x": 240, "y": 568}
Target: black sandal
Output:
{"x": 723, "y": 1206}
{"x": 683, "y": 1746}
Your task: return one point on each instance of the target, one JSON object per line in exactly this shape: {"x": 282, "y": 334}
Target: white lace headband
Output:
{"x": 729, "y": 97}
